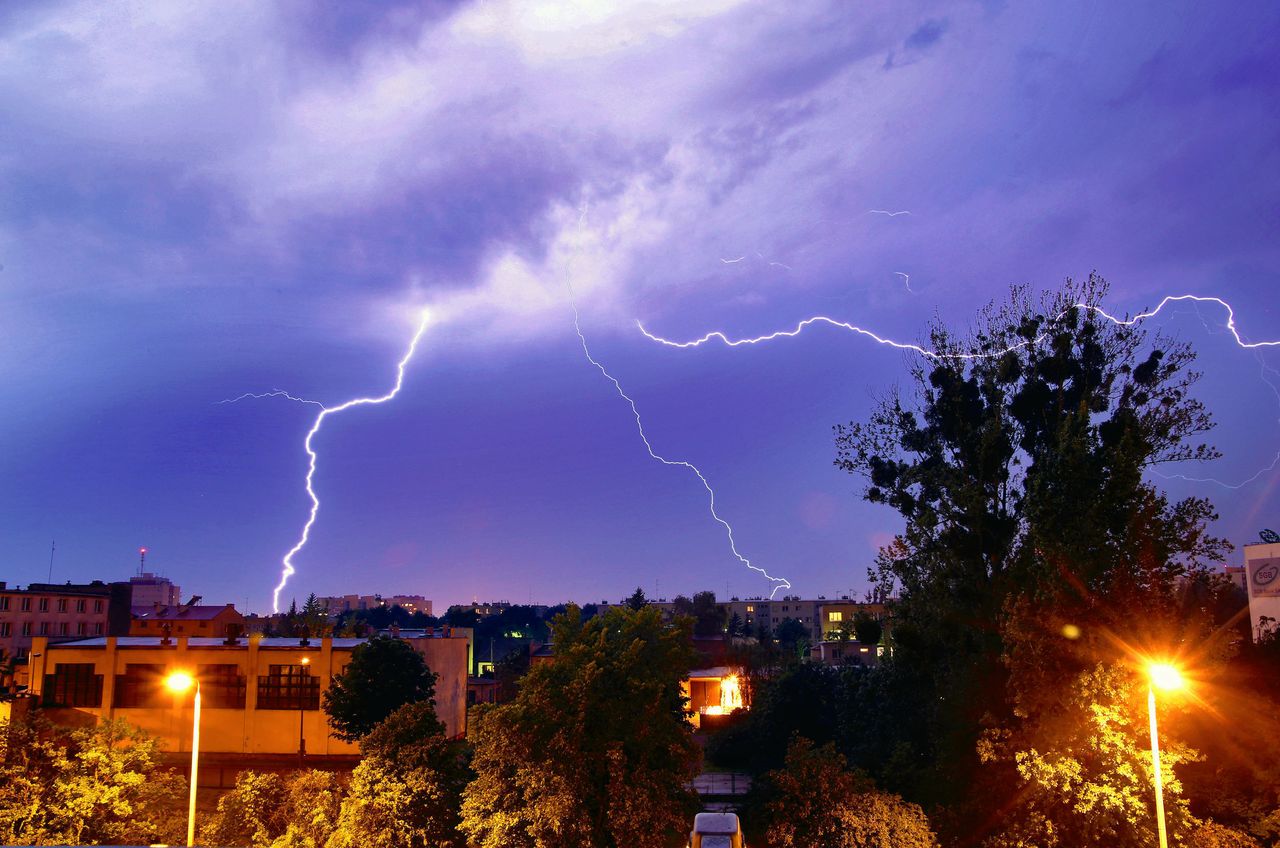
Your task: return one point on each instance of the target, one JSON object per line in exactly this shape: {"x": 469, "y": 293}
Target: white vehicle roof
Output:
{"x": 715, "y": 823}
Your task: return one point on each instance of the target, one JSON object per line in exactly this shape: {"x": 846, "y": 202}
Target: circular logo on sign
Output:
{"x": 1266, "y": 575}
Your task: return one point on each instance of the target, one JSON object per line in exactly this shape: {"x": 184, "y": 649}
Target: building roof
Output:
{"x": 204, "y": 642}
{"x": 206, "y": 612}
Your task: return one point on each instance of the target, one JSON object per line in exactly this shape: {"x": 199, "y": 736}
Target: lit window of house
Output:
{"x": 835, "y": 616}
{"x": 751, "y": 608}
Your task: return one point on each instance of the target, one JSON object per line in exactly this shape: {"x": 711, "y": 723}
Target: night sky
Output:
{"x": 198, "y": 201}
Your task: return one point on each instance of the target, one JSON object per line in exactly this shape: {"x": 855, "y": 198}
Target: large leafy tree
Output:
{"x": 816, "y": 800}
{"x": 407, "y": 791}
{"x": 1018, "y": 463}
{"x": 595, "y": 751}
{"x": 383, "y": 675}
{"x": 98, "y": 784}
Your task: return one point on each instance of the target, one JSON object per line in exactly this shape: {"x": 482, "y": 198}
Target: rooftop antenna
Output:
{"x": 142, "y": 560}
{"x": 52, "y": 547}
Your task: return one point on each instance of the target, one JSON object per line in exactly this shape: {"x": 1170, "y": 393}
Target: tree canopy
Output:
{"x": 595, "y": 750}
{"x": 383, "y": 675}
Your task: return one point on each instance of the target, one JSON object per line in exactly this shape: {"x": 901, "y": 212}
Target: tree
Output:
{"x": 407, "y": 791}
{"x": 735, "y": 626}
{"x": 793, "y": 636}
{"x": 595, "y": 750}
{"x": 637, "y": 599}
{"x": 98, "y": 784}
{"x": 866, "y": 629}
{"x": 816, "y": 800}
{"x": 383, "y": 675}
{"x": 265, "y": 810}
{"x": 1019, "y": 471}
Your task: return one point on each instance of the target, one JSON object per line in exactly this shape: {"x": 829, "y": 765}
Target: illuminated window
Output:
{"x": 835, "y": 616}
{"x": 750, "y": 608}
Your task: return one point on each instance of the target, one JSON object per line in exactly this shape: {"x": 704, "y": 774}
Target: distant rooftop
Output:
{"x": 204, "y": 612}
{"x": 204, "y": 642}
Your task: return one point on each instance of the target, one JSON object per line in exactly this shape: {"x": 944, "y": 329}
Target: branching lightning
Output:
{"x": 844, "y": 325}
{"x": 325, "y": 411}
{"x": 778, "y": 582}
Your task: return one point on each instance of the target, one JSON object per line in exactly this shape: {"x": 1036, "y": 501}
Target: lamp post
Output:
{"x": 179, "y": 682}
{"x": 1166, "y": 677}
{"x": 302, "y": 741}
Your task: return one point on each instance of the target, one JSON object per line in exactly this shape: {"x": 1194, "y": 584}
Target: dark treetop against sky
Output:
{"x": 203, "y": 200}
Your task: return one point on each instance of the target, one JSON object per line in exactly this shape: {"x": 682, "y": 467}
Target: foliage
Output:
{"x": 709, "y": 617}
{"x": 595, "y": 750}
{"x": 1210, "y": 834}
{"x": 637, "y": 600}
{"x": 98, "y": 784}
{"x": 1019, "y": 471}
{"x": 793, "y": 637}
{"x": 1085, "y": 771}
{"x": 383, "y": 675}
{"x": 816, "y": 800}
{"x": 265, "y": 810}
{"x": 866, "y": 629}
{"x": 407, "y": 791}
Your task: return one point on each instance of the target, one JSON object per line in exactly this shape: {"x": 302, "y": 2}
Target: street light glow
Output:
{"x": 179, "y": 681}
{"x": 1165, "y": 676}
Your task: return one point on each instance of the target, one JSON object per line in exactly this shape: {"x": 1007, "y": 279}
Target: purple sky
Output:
{"x": 205, "y": 200}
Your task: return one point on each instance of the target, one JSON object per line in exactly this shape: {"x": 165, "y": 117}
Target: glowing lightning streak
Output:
{"x": 822, "y": 319}
{"x": 887, "y": 212}
{"x": 326, "y": 411}
{"x": 272, "y": 393}
{"x": 779, "y": 582}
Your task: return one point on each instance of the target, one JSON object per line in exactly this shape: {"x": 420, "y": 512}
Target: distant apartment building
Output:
{"x": 820, "y": 616}
{"x": 149, "y": 590}
{"x": 338, "y": 604}
{"x": 191, "y": 619}
{"x": 260, "y": 697}
{"x": 1235, "y": 574}
{"x": 60, "y": 612}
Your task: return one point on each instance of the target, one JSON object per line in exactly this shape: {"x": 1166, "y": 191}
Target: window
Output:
{"x": 82, "y": 629}
{"x": 4, "y": 603}
{"x": 62, "y": 604}
{"x": 73, "y": 685}
{"x": 44, "y": 628}
{"x": 751, "y": 608}
{"x": 97, "y": 629}
{"x": 44, "y": 605}
{"x": 64, "y": 629}
{"x": 26, "y": 628}
{"x": 6, "y": 629}
{"x": 141, "y": 685}
{"x": 835, "y": 616}
{"x": 81, "y": 605}
{"x": 25, "y": 605}
{"x": 97, "y": 606}
{"x": 289, "y": 687}
{"x": 222, "y": 686}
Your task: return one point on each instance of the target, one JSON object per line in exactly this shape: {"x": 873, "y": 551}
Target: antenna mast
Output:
{"x": 52, "y": 547}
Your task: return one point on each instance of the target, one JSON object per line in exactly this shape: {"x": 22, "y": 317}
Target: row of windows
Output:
{"x": 63, "y": 605}
{"x": 53, "y": 628}
{"x": 286, "y": 687}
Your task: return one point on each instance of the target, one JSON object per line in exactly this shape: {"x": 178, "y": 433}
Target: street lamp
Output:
{"x": 1167, "y": 677}
{"x": 302, "y": 741}
{"x": 180, "y": 681}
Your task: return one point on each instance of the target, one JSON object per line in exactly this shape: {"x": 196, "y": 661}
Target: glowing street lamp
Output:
{"x": 1166, "y": 677}
{"x": 302, "y": 741}
{"x": 181, "y": 681}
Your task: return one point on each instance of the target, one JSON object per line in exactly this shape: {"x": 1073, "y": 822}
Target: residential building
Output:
{"x": 260, "y": 697}
{"x": 60, "y": 612}
{"x": 337, "y": 604}
{"x": 189, "y": 619}
{"x": 846, "y": 653}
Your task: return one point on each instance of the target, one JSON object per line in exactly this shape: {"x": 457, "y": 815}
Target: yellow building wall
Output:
{"x": 247, "y": 731}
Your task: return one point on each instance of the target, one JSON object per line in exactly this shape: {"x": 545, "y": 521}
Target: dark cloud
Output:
{"x": 927, "y": 34}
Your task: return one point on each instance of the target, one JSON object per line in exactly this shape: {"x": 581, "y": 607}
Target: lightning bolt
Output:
{"x": 906, "y": 279}
{"x": 779, "y": 582}
{"x": 325, "y": 411}
{"x": 887, "y": 212}
{"x": 272, "y": 393}
{"x": 934, "y": 355}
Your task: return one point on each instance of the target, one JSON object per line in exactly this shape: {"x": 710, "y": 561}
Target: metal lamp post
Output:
{"x": 1166, "y": 677}
{"x": 180, "y": 682}
{"x": 302, "y": 741}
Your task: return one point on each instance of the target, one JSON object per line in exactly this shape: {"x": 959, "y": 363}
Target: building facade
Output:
{"x": 60, "y": 612}
{"x": 260, "y": 698}
{"x": 149, "y": 590}
{"x": 1262, "y": 581}
{"x": 186, "y": 620}
{"x": 337, "y": 604}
